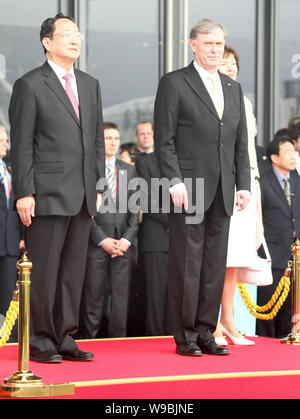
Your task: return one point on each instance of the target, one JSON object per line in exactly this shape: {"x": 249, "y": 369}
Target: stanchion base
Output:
{"x": 26, "y": 384}
{"x": 292, "y": 339}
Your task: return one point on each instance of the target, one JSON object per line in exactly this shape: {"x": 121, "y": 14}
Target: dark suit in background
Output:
{"x": 10, "y": 236}
{"x": 281, "y": 223}
{"x": 104, "y": 273}
{"x": 57, "y": 159}
{"x": 154, "y": 246}
{"x": 191, "y": 141}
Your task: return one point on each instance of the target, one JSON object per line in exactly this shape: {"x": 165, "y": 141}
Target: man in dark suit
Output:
{"x": 10, "y": 230}
{"x": 154, "y": 246}
{"x": 111, "y": 248}
{"x": 280, "y": 188}
{"x": 200, "y": 132}
{"x": 57, "y": 158}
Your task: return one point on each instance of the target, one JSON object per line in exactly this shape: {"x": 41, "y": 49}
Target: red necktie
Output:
{"x": 71, "y": 94}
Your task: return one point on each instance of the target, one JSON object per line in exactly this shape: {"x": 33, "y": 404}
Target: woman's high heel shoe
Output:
{"x": 221, "y": 341}
{"x": 241, "y": 340}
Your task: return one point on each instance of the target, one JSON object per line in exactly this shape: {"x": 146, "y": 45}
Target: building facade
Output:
{"x": 130, "y": 44}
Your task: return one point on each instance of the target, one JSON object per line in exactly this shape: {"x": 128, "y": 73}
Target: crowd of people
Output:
{"x": 100, "y": 273}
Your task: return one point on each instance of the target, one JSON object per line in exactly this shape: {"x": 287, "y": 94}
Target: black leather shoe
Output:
{"x": 189, "y": 349}
{"x": 211, "y": 348}
{"x": 77, "y": 355}
{"x": 47, "y": 357}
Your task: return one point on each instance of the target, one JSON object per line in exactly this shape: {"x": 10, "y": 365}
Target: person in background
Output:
{"x": 280, "y": 188}
{"x": 144, "y": 137}
{"x": 294, "y": 134}
{"x": 110, "y": 250}
{"x": 154, "y": 248}
{"x": 10, "y": 230}
{"x": 128, "y": 153}
{"x": 242, "y": 241}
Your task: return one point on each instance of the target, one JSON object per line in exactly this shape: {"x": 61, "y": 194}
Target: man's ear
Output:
{"x": 46, "y": 43}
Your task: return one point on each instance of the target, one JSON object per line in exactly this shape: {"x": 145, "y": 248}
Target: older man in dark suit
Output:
{"x": 280, "y": 187}
{"x": 57, "y": 158}
{"x": 200, "y": 132}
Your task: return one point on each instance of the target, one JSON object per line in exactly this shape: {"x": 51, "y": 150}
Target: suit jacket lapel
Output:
{"x": 83, "y": 97}
{"x": 55, "y": 85}
{"x": 196, "y": 83}
{"x": 228, "y": 97}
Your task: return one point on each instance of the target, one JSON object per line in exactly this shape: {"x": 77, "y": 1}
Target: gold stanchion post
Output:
{"x": 23, "y": 383}
{"x": 294, "y": 337}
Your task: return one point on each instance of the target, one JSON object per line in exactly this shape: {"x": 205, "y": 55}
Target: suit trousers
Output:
{"x": 281, "y": 325}
{"x": 8, "y": 278}
{"x": 57, "y": 247}
{"x": 156, "y": 273}
{"x": 104, "y": 276}
{"x": 197, "y": 260}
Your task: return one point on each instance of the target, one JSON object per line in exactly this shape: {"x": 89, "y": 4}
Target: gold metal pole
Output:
{"x": 294, "y": 337}
{"x": 23, "y": 383}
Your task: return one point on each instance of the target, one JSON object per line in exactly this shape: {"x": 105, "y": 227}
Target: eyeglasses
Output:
{"x": 70, "y": 35}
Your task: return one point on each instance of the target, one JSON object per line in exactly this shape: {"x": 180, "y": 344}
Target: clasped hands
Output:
{"x": 114, "y": 247}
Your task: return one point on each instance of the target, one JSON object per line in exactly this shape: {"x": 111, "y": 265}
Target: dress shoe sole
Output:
{"x": 56, "y": 360}
{"x": 74, "y": 359}
{"x": 216, "y": 354}
{"x": 196, "y": 353}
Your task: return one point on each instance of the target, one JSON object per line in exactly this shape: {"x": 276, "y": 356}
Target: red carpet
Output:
{"x": 149, "y": 368}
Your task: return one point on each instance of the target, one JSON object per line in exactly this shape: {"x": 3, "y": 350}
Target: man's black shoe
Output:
{"x": 189, "y": 349}
{"x": 77, "y": 355}
{"x": 211, "y": 348}
{"x": 46, "y": 357}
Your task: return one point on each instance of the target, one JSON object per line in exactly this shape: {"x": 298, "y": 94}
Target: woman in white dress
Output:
{"x": 242, "y": 242}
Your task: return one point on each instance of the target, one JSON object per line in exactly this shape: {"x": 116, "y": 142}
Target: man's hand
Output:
{"x": 26, "y": 209}
{"x": 179, "y": 195}
{"x": 242, "y": 200}
{"x": 110, "y": 246}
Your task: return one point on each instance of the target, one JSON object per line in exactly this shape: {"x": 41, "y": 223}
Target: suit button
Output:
{"x": 85, "y": 157}
{"x": 221, "y": 144}
{"x": 168, "y": 230}
{"x": 221, "y": 124}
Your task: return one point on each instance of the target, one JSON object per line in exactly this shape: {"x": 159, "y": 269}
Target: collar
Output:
{"x": 204, "y": 74}
{"x": 111, "y": 163}
{"x": 281, "y": 177}
{"x": 59, "y": 71}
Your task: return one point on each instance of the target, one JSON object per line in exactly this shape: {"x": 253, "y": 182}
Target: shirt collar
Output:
{"x": 280, "y": 176}
{"x": 59, "y": 71}
{"x": 204, "y": 74}
{"x": 111, "y": 163}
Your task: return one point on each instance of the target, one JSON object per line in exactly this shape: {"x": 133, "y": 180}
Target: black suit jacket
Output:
{"x": 154, "y": 230}
{"x": 55, "y": 157}
{"x": 116, "y": 225}
{"x": 192, "y": 142}
{"x": 10, "y": 226}
{"x": 280, "y": 221}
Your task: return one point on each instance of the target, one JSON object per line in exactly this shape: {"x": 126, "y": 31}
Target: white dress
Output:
{"x": 242, "y": 241}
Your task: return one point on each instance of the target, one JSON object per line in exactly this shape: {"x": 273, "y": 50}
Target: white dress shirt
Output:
{"x": 61, "y": 72}
{"x": 218, "y": 96}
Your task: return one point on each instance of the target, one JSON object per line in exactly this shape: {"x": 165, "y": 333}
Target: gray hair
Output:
{"x": 206, "y": 26}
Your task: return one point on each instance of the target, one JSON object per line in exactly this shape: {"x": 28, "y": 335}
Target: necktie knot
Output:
{"x": 67, "y": 77}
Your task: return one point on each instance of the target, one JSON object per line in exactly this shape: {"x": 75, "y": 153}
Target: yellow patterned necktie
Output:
{"x": 213, "y": 93}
